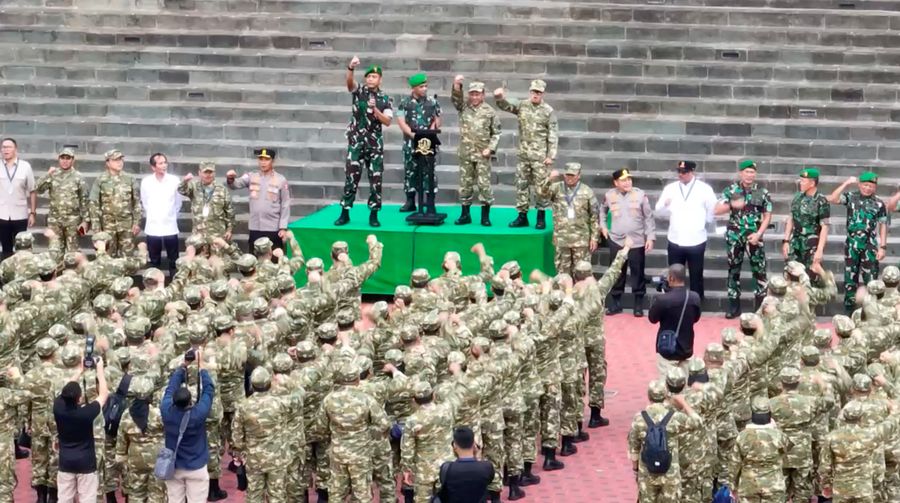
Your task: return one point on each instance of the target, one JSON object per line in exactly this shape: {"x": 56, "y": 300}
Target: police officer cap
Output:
{"x": 748, "y": 320}
{"x": 103, "y": 303}
{"x": 81, "y": 323}
{"x": 393, "y": 356}
{"x": 422, "y": 389}
{"x": 306, "y": 350}
{"x": 810, "y": 355}
{"x": 891, "y": 276}
{"x": 24, "y": 240}
{"x": 715, "y": 353}
{"x": 843, "y": 325}
{"x": 875, "y": 287}
{"x": 246, "y": 262}
{"x": 136, "y": 328}
{"x": 875, "y": 369}
{"x": 327, "y": 331}
{"x": 121, "y": 285}
{"x": 380, "y": 310}
{"x": 862, "y": 383}
{"x": 760, "y": 405}
{"x": 101, "y": 236}
{"x": 218, "y": 289}
{"x": 315, "y": 264}
{"x": 345, "y": 318}
{"x": 512, "y": 317}
{"x": 141, "y": 387}
{"x": 513, "y": 267}
{"x": 282, "y": 363}
{"x": 403, "y": 292}
{"x": 260, "y": 378}
{"x": 260, "y": 307}
{"x": 822, "y": 338}
{"x": 778, "y": 286}
{"x": 198, "y": 332}
{"x": 656, "y": 391}
{"x": 696, "y": 366}
{"x": 431, "y": 321}
{"x": 419, "y": 278}
{"x": 192, "y": 295}
{"x": 408, "y": 333}
{"x": 852, "y": 412}
{"x": 46, "y": 347}
{"x": 675, "y": 377}
{"x": 262, "y": 246}
{"x": 789, "y": 375}
{"x": 497, "y": 330}
{"x": 60, "y": 333}
{"x": 123, "y": 355}
{"x": 556, "y": 298}
{"x": 70, "y": 356}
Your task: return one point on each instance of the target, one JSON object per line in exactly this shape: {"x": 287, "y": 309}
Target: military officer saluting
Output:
{"x": 69, "y": 206}
{"x": 807, "y": 230}
{"x": 866, "y": 233}
{"x": 270, "y": 199}
{"x": 631, "y": 216}
{"x": 749, "y": 209}
{"x": 576, "y": 215}
{"x": 211, "y": 205}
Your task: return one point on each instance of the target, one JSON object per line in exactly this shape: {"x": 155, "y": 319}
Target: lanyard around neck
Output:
{"x": 681, "y": 189}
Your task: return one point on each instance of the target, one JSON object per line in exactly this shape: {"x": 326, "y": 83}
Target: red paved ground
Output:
{"x": 600, "y": 472}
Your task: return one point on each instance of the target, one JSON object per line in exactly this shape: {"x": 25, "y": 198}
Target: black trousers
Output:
{"x": 273, "y": 235}
{"x": 635, "y": 264}
{"x": 155, "y": 245}
{"x": 8, "y": 231}
{"x": 692, "y": 257}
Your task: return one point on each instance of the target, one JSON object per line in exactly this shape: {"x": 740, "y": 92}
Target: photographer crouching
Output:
{"x": 676, "y": 311}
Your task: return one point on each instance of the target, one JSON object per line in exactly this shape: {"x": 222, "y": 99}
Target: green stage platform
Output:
{"x": 407, "y": 247}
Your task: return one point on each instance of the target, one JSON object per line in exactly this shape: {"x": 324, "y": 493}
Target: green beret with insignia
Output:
{"x": 46, "y": 347}
{"x": 373, "y": 69}
{"x": 260, "y": 378}
{"x": 868, "y": 176}
{"x": 747, "y": 164}
{"x": 811, "y": 173}
{"x": 417, "y": 80}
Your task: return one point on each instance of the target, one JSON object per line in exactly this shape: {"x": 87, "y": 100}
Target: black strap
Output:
{"x": 650, "y": 423}
{"x": 182, "y": 428}
{"x": 665, "y": 420}
{"x": 124, "y": 384}
{"x": 687, "y": 294}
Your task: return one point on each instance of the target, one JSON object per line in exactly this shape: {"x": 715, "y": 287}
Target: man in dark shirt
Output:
{"x": 75, "y": 426}
{"x": 466, "y": 479}
{"x": 666, "y": 311}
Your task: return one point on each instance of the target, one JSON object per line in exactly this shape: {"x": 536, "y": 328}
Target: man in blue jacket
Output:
{"x": 191, "y": 482}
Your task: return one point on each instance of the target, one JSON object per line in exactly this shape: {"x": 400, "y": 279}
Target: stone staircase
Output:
{"x": 635, "y": 83}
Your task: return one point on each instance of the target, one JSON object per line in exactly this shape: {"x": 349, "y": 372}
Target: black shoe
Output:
{"x": 215, "y": 492}
{"x": 373, "y": 219}
{"x": 464, "y": 216}
{"x": 41, "y": 492}
{"x": 568, "y": 447}
{"x": 638, "y": 307}
{"x": 550, "y": 462}
{"x": 595, "y": 417}
{"x": 757, "y": 301}
{"x": 734, "y": 309}
{"x": 322, "y": 495}
{"x": 232, "y": 467}
{"x": 582, "y": 436}
{"x": 486, "y": 215}
{"x": 495, "y": 496}
{"x": 615, "y": 306}
{"x": 21, "y": 453}
{"x": 541, "y": 220}
{"x": 111, "y": 497}
{"x": 52, "y": 495}
{"x": 344, "y": 218}
{"x": 515, "y": 492}
{"x": 410, "y": 204}
{"x": 528, "y": 478}
{"x": 520, "y": 221}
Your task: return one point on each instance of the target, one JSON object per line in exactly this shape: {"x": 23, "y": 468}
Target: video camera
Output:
{"x": 661, "y": 283}
{"x": 190, "y": 355}
{"x": 89, "y": 361}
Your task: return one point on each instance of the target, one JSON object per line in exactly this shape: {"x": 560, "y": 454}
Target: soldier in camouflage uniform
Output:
{"x": 140, "y": 437}
{"x": 68, "y": 194}
{"x": 211, "y": 205}
{"x": 12, "y": 396}
{"x": 807, "y": 230}
{"x": 576, "y": 221}
{"x": 115, "y": 205}
{"x": 755, "y": 471}
{"x": 867, "y": 225}
{"x": 43, "y": 383}
{"x": 538, "y": 143}
{"x": 479, "y": 134}
{"x": 416, "y": 112}
{"x": 749, "y": 208}
{"x": 372, "y": 109}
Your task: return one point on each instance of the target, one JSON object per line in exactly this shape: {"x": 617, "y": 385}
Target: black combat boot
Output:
{"x": 638, "y": 306}
{"x": 344, "y": 218}
{"x": 232, "y": 467}
{"x": 41, "y": 492}
{"x": 520, "y": 221}
{"x": 111, "y": 497}
{"x": 734, "y": 309}
{"x": 373, "y": 219}
{"x": 550, "y": 462}
{"x": 568, "y": 447}
{"x": 215, "y": 492}
{"x": 20, "y": 452}
{"x": 322, "y": 495}
{"x": 582, "y": 436}
{"x": 495, "y": 496}
{"x": 410, "y": 204}
{"x": 408, "y": 494}
{"x": 515, "y": 492}
{"x": 527, "y": 478}
{"x": 464, "y": 216}
{"x": 615, "y": 305}
{"x": 52, "y": 495}
{"x": 541, "y": 220}
{"x": 597, "y": 419}
{"x": 485, "y": 215}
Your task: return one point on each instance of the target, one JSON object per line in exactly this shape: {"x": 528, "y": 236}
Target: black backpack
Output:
{"x": 655, "y": 453}
{"x": 115, "y": 407}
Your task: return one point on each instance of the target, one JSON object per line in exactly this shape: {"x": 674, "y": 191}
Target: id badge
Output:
{"x": 571, "y": 213}
{"x": 205, "y": 210}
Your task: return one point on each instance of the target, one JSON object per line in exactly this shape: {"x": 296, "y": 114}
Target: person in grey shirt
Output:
{"x": 631, "y": 216}
{"x": 270, "y": 199}
{"x": 18, "y": 201}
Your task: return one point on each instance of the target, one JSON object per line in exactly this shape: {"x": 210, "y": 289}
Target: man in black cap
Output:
{"x": 689, "y": 204}
{"x": 270, "y": 199}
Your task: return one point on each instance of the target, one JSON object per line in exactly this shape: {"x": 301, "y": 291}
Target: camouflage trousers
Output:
{"x": 266, "y": 483}
{"x": 696, "y": 487}
{"x": 8, "y": 478}
{"x": 67, "y": 230}
{"x": 44, "y": 461}
{"x": 860, "y": 267}
{"x": 121, "y": 244}
{"x": 769, "y": 497}
{"x": 531, "y": 426}
{"x": 549, "y": 404}
{"x": 112, "y": 470}
{"x": 358, "y": 156}
{"x": 475, "y": 179}
{"x": 100, "y": 450}
{"x": 297, "y": 484}
{"x": 802, "y": 248}
{"x": 492, "y": 435}
{"x": 349, "y": 479}
{"x": 225, "y": 431}
{"x": 141, "y": 486}
{"x": 571, "y": 411}
{"x": 529, "y": 176}
{"x": 736, "y": 245}
{"x": 512, "y": 439}
{"x": 798, "y": 483}
{"x": 565, "y": 258}
{"x": 214, "y": 438}
{"x": 321, "y": 462}
{"x": 659, "y": 489}
{"x": 892, "y": 481}
{"x": 596, "y": 359}
{"x": 726, "y": 434}
{"x": 383, "y": 470}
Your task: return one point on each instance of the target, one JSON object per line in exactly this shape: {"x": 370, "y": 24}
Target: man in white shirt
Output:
{"x": 161, "y": 202}
{"x": 689, "y": 204}
{"x": 18, "y": 201}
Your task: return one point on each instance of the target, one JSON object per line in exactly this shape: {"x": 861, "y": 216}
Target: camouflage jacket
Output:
{"x": 755, "y": 463}
{"x": 809, "y": 214}
{"x": 678, "y": 425}
{"x": 418, "y": 114}
{"x": 259, "y": 426}
{"x": 796, "y": 415}
{"x": 479, "y": 127}
{"x": 757, "y": 202}
{"x": 210, "y": 206}
{"x": 538, "y": 129}
{"x": 576, "y": 213}
{"x": 864, "y": 214}
{"x": 350, "y": 415}
{"x": 115, "y": 203}
{"x": 68, "y": 196}
{"x": 846, "y": 458}
{"x": 364, "y": 127}
{"x": 138, "y": 449}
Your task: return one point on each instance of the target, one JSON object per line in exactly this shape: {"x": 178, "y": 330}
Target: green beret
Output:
{"x": 868, "y": 176}
{"x": 812, "y": 173}
{"x": 418, "y": 79}
{"x": 747, "y": 164}
{"x": 373, "y": 69}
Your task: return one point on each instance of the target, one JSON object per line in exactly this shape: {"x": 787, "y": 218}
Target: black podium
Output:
{"x": 425, "y": 145}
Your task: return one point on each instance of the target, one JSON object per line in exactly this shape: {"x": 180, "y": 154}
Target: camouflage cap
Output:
{"x": 421, "y": 390}
{"x": 120, "y": 286}
{"x": 583, "y": 269}
{"x": 657, "y": 391}
{"x": 207, "y": 166}
{"x": 810, "y": 356}
{"x": 198, "y": 332}
{"x": 306, "y": 350}
{"x": 862, "y": 383}
{"x": 195, "y": 240}
{"x": 843, "y": 325}
{"x": 729, "y": 337}
{"x": 70, "y": 259}
{"x": 891, "y": 276}
{"x": 696, "y": 365}
{"x": 419, "y": 278}
{"x": 475, "y": 288}
{"x": 82, "y": 322}
{"x": 181, "y": 307}
{"x": 452, "y": 256}
{"x": 875, "y": 369}
{"x": 538, "y": 85}
{"x": 363, "y": 363}
{"x": 512, "y": 317}
{"x": 572, "y": 168}
{"x": 70, "y": 356}
{"x": 760, "y": 405}
{"x": 327, "y": 331}
{"x": 66, "y": 151}
{"x": 497, "y": 330}
{"x": 101, "y": 236}
{"x": 112, "y": 155}
{"x": 714, "y": 353}
{"x": 531, "y": 301}
{"x": 875, "y": 287}
{"x": 676, "y": 377}
{"x": 513, "y": 267}
{"x": 852, "y": 412}
{"x": 476, "y": 87}
{"x": 245, "y": 263}
{"x": 285, "y": 284}
{"x": 218, "y": 289}
{"x": 103, "y": 303}
{"x": 136, "y": 328}
{"x": 778, "y": 286}
{"x": 749, "y": 320}
{"x": 556, "y": 298}
{"x": 431, "y": 321}
{"x": 260, "y": 378}
{"x": 403, "y": 292}
{"x": 24, "y": 240}
{"x": 345, "y": 317}
{"x": 123, "y": 354}
{"x": 380, "y": 310}
{"x": 260, "y": 307}
{"x": 499, "y": 284}
{"x": 393, "y": 356}
{"x": 315, "y": 264}
{"x": 262, "y": 246}
{"x": 456, "y": 357}
{"x": 282, "y": 363}
{"x": 60, "y": 333}
{"x": 46, "y": 347}
{"x": 243, "y": 309}
{"x": 347, "y": 373}
{"x": 141, "y": 387}
{"x": 151, "y": 274}
{"x": 822, "y": 338}
{"x": 44, "y": 264}
{"x": 408, "y": 333}
{"x": 794, "y": 268}
{"x": 192, "y": 295}
{"x": 789, "y": 375}
{"x": 482, "y": 343}
{"x": 339, "y": 247}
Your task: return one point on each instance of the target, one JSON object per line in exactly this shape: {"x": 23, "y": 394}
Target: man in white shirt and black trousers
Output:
{"x": 689, "y": 204}
{"x": 161, "y": 202}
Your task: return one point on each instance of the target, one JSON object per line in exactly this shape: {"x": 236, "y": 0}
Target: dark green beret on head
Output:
{"x": 373, "y": 69}
{"x": 810, "y": 173}
{"x": 747, "y": 164}
{"x": 417, "y": 80}
{"x": 868, "y": 176}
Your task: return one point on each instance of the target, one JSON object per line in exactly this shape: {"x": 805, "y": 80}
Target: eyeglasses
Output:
{"x": 683, "y": 171}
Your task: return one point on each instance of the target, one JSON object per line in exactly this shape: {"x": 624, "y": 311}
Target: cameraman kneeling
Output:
{"x": 676, "y": 311}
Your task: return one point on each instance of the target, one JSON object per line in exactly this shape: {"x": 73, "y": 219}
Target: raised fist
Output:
{"x": 354, "y": 62}
{"x": 188, "y": 177}
{"x": 499, "y": 92}
{"x": 458, "y": 80}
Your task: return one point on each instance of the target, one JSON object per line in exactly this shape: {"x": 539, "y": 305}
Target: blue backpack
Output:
{"x": 667, "y": 340}
{"x": 655, "y": 453}
{"x": 723, "y": 495}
